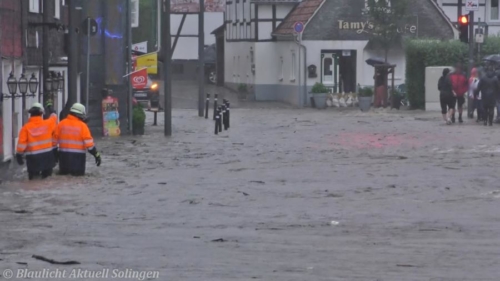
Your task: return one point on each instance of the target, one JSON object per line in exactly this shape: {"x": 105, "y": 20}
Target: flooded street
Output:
{"x": 282, "y": 195}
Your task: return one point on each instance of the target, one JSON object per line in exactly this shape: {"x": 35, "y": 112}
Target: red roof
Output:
{"x": 301, "y": 13}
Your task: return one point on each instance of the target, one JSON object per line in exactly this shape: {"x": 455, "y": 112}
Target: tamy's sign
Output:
{"x": 361, "y": 27}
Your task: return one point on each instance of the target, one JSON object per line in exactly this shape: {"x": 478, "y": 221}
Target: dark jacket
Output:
{"x": 444, "y": 87}
{"x": 489, "y": 86}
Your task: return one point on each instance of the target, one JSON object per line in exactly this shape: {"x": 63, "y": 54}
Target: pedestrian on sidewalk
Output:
{"x": 459, "y": 85}
{"x": 489, "y": 87}
{"x": 446, "y": 96}
{"x": 380, "y": 88}
{"x": 476, "y": 97}
{"x": 37, "y": 142}
{"x": 74, "y": 139}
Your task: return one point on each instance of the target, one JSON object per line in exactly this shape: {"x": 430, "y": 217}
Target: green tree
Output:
{"x": 386, "y": 16}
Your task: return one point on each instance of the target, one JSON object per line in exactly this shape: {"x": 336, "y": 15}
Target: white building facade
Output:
{"x": 262, "y": 50}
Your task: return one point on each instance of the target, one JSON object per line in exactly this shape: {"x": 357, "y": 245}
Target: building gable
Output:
{"x": 345, "y": 20}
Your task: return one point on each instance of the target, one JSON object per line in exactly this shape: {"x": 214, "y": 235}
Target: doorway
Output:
{"x": 338, "y": 70}
{"x": 347, "y": 71}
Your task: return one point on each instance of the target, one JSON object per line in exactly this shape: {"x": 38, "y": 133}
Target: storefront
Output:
{"x": 341, "y": 34}
{"x": 336, "y": 41}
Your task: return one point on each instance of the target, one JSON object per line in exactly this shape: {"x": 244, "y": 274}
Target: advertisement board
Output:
{"x": 149, "y": 61}
{"x": 193, "y": 6}
{"x": 110, "y": 116}
{"x": 139, "y": 79}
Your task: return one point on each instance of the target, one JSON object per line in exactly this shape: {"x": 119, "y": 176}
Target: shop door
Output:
{"x": 330, "y": 71}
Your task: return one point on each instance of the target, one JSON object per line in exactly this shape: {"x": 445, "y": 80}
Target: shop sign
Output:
{"x": 361, "y": 27}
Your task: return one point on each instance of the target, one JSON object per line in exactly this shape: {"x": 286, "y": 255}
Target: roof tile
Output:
{"x": 302, "y": 12}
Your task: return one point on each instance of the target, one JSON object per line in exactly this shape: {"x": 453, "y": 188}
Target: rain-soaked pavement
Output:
{"x": 283, "y": 195}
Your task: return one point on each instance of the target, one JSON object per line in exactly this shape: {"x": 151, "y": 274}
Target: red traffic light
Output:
{"x": 463, "y": 20}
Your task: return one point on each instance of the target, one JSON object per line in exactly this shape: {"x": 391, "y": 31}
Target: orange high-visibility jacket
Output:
{"x": 73, "y": 135}
{"x": 37, "y": 136}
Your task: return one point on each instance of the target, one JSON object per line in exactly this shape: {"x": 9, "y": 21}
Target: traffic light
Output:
{"x": 463, "y": 27}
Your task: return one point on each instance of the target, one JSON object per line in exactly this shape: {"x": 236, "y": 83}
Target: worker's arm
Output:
{"x": 89, "y": 144}
{"x": 22, "y": 145}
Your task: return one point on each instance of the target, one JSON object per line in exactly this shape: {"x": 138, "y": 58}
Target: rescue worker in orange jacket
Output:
{"x": 37, "y": 141}
{"x": 74, "y": 139}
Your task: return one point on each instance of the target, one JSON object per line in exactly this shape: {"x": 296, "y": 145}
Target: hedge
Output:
{"x": 423, "y": 53}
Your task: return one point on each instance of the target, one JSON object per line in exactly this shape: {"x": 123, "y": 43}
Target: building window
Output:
{"x": 293, "y": 69}
{"x": 494, "y": 10}
{"x": 281, "y": 69}
{"x": 57, "y": 9}
{"x": 239, "y": 71}
{"x": 135, "y": 13}
{"x": 234, "y": 69}
{"x": 32, "y": 38}
{"x": 34, "y": 6}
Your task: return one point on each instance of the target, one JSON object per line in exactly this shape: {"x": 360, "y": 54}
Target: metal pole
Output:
{"x": 299, "y": 72}
{"x": 167, "y": 58}
{"x": 72, "y": 57}
{"x": 201, "y": 57}
{"x": 459, "y": 9}
{"x": 88, "y": 66}
{"x": 471, "y": 57}
{"x": 129, "y": 67}
{"x": 45, "y": 48}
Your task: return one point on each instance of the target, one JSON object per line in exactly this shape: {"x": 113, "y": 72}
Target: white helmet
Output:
{"x": 78, "y": 108}
{"x": 38, "y": 106}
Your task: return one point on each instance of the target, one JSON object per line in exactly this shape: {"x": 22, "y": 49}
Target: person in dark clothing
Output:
{"x": 381, "y": 87}
{"x": 489, "y": 87}
{"x": 445, "y": 96}
{"x": 459, "y": 85}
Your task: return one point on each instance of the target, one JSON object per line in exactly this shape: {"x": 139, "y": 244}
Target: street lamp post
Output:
{"x": 13, "y": 85}
{"x": 23, "y": 88}
{"x": 22, "y": 85}
{"x": 48, "y": 87}
{"x": 33, "y": 84}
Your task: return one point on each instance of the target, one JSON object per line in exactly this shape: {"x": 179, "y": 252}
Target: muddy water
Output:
{"x": 283, "y": 195}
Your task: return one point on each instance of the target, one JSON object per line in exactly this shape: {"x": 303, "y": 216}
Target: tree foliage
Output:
{"x": 386, "y": 16}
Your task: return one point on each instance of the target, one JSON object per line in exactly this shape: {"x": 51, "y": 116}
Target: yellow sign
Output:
{"x": 149, "y": 61}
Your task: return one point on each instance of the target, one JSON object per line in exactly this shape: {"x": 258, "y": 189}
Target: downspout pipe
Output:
{"x": 304, "y": 99}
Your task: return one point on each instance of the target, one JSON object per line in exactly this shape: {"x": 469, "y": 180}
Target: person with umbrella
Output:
{"x": 489, "y": 87}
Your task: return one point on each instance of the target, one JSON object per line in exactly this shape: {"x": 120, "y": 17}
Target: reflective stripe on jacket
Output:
{"x": 37, "y": 136}
{"x": 73, "y": 135}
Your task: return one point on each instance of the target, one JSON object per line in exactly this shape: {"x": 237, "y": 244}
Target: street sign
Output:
{"x": 92, "y": 28}
{"x": 472, "y": 5}
{"x": 141, "y": 47}
{"x": 480, "y": 38}
{"x": 298, "y": 27}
